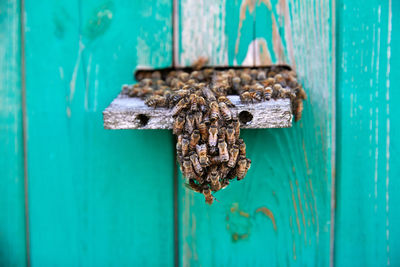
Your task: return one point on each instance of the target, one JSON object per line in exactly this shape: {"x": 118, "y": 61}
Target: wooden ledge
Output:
{"x": 131, "y": 113}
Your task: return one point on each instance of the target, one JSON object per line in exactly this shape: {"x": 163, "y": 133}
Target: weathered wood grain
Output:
{"x": 12, "y": 198}
{"x": 280, "y": 214}
{"x": 131, "y": 113}
{"x": 368, "y": 211}
{"x": 97, "y": 197}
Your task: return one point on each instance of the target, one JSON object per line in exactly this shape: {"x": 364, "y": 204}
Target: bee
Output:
{"x": 146, "y": 82}
{"x": 279, "y": 79}
{"x": 199, "y": 63}
{"x": 194, "y": 139}
{"x": 183, "y": 76}
{"x": 208, "y": 94}
{"x": 185, "y": 145}
{"x": 198, "y": 75}
{"x": 242, "y": 147}
{"x": 202, "y": 103}
{"x": 208, "y": 73}
{"x": 276, "y": 93}
{"x": 208, "y": 196}
{"x": 225, "y": 111}
{"x": 193, "y": 186}
{"x": 268, "y": 82}
{"x": 213, "y": 136}
{"x": 156, "y": 101}
{"x": 224, "y": 170}
{"x": 245, "y": 78}
{"x": 236, "y": 81}
{"x": 268, "y": 92}
{"x": 179, "y": 143}
{"x": 261, "y": 75}
{"x": 203, "y": 131}
{"x": 178, "y": 124}
{"x": 233, "y": 155}
{"x": 178, "y": 95}
{"x": 241, "y": 168}
{"x": 224, "y": 184}
{"x": 230, "y": 135}
{"x": 215, "y": 160}
{"x": 196, "y": 164}
{"x": 223, "y": 150}
{"x": 222, "y": 133}
{"x": 214, "y": 178}
{"x": 156, "y": 75}
{"x": 202, "y": 153}
{"x": 145, "y": 91}
{"x": 256, "y": 95}
{"x": 298, "y": 109}
{"x": 226, "y": 100}
{"x": 187, "y": 168}
{"x": 300, "y": 92}
{"x": 236, "y": 127}
{"x": 245, "y": 97}
{"x": 214, "y": 110}
{"x": 189, "y": 125}
{"x": 183, "y": 103}
{"x": 193, "y": 102}
{"x": 198, "y": 118}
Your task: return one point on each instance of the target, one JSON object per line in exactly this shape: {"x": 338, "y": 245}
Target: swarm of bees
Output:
{"x": 209, "y": 149}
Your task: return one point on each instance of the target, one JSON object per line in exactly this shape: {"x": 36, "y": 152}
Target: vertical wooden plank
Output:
{"x": 96, "y": 197}
{"x": 368, "y": 213}
{"x": 12, "y": 218}
{"x": 218, "y": 30}
{"x": 280, "y": 214}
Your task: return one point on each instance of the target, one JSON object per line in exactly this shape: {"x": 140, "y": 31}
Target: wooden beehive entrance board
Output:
{"x": 131, "y": 113}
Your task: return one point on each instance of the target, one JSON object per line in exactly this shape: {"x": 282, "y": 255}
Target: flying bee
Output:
{"x": 194, "y": 139}
{"x": 208, "y": 196}
{"x": 213, "y": 136}
{"x": 183, "y": 103}
{"x": 223, "y": 150}
{"x": 187, "y": 168}
{"x": 241, "y": 168}
{"x": 233, "y": 155}
{"x": 189, "y": 125}
{"x": 202, "y": 153}
{"x": 179, "y": 124}
{"x": 230, "y": 135}
{"x": 203, "y": 131}
{"x": 156, "y": 101}
{"x": 242, "y": 147}
{"x": 196, "y": 164}
{"x": 225, "y": 111}
{"x": 268, "y": 92}
{"x": 214, "y": 110}
{"x": 185, "y": 145}
{"x": 226, "y": 100}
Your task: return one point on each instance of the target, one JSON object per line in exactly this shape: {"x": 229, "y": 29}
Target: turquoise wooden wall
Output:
{"x": 73, "y": 194}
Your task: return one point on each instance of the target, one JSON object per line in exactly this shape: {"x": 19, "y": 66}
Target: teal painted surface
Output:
{"x": 368, "y": 212}
{"x": 96, "y": 197}
{"x": 280, "y": 214}
{"x": 12, "y": 217}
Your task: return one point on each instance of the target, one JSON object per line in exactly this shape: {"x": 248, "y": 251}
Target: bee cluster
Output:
{"x": 209, "y": 148}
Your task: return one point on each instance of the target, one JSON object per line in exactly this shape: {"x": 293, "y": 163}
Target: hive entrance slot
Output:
{"x": 143, "y": 119}
{"x": 245, "y": 117}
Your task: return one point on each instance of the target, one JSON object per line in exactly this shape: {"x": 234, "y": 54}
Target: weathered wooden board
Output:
{"x": 96, "y": 197}
{"x": 368, "y": 210}
{"x": 280, "y": 214}
{"x": 132, "y": 113}
{"x": 12, "y": 217}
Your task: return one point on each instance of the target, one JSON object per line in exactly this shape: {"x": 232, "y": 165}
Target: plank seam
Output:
{"x": 24, "y": 130}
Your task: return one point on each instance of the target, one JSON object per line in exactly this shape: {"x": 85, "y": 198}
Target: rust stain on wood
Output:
{"x": 269, "y": 214}
{"x": 301, "y": 211}
{"x": 295, "y": 208}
